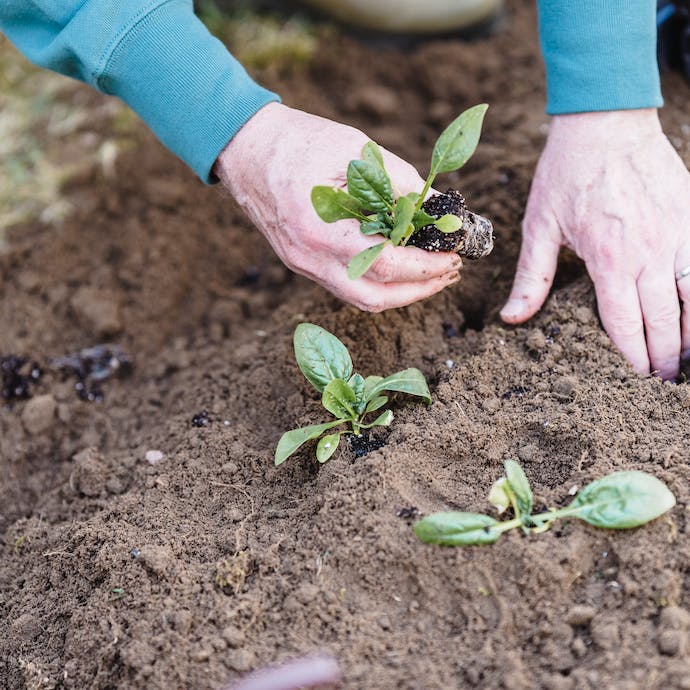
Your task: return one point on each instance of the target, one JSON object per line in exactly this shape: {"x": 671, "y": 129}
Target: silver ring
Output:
{"x": 683, "y": 273}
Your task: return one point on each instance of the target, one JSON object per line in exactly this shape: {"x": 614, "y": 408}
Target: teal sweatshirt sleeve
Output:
{"x": 156, "y": 55}
{"x": 599, "y": 55}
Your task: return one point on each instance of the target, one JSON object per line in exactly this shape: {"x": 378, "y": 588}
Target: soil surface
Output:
{"x": 148, "y": 541}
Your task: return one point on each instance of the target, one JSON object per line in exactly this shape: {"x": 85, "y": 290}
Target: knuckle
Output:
{"x": 664, "y": 316}
{"x": 624, "y": 325}
{"x": 384, "y": 269}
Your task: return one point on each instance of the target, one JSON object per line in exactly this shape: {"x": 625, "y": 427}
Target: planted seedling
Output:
{"x": 441, "y": 223}
{"x": 348, "y": 396}
{"x": 618, "y": 501}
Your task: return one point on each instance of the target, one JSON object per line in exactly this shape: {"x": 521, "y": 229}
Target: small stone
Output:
{"x": 39, "y": 414}
{"x": 384, "y": 622}
{"x": 491, "y": 405}
{"x": 580, "y": 615}
{"x": 672, "y": 642}
{"x": 229, "y": 468}
{"x": 233, "y": 636}
{"x": 153, "y": 456}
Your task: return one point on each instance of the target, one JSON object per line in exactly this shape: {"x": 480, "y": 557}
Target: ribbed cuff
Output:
{"x": 599, "y": 55}
{"x": 183, "y": 83}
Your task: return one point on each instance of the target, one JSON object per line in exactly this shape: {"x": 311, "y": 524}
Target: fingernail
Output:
{"x": 453, "y": 277}
{"x": 512, "y": 309}
{"x": 457, "y": 262}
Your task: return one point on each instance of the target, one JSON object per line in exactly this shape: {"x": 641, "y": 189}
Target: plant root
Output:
{"x": 473, "y": 240}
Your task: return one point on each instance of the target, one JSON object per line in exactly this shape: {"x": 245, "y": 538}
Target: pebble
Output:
{"x": 233, "y": 636}
{"x": 39, "y": 414}
{"x": 153, "y": 456}
{"x": 675, "y": 618}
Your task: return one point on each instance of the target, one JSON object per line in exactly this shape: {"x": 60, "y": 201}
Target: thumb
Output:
{"x": 535, "y": 271}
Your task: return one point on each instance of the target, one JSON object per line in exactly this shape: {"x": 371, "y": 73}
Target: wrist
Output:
{"x": 606, "y": 126}
{"x": 244, "y": 149}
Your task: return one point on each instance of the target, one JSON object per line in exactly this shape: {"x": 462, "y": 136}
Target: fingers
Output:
{"x": 409, "y": 265}
{"x": 683, "y": 285}
{"x": 369, "y": 295}
{"x": 535, "y": 271}
{"x": 621, "y": 315}
{"x": 661, "y": 314}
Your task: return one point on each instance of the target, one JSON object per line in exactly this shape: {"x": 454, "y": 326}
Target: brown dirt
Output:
{"x": 119, "y": 573}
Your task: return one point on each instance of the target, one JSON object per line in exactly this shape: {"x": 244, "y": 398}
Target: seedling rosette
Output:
{"x": 621, "y": 500}
{"x": 440, "y": 223}
{"x": 348, "y": 396}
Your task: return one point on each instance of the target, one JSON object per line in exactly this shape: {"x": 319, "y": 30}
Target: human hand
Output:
{"x": 270, "y": 168}
{"x": 611, "y": 187}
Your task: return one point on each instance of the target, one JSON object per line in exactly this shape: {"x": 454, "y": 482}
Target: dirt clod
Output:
{"x": 38, "y": 415}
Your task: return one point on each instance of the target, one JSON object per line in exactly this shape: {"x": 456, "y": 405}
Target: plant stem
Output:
{"x": 425, "y": 191}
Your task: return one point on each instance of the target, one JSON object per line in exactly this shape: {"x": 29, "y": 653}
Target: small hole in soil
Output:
{"x": 475, "y": 317}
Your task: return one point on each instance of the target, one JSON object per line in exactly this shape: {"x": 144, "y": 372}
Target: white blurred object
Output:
{"x": 411, "y": 16}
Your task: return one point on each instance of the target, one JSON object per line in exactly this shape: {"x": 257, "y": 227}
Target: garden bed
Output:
{"x": 187, "y": 571}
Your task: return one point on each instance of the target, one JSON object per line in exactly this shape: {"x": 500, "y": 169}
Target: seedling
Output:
{"x": 440, "y": 223}
{"x": 349, "y": 397}
{"x": 617, "y": 501}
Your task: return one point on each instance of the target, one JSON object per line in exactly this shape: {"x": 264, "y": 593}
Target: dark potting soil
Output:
{"x": 118, "y": 571}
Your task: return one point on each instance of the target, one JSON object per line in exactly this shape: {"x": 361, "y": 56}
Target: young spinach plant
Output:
{"x": 348, "y": 396}
{"x": 370, "y": 199}
{"x": 617, "y": 501}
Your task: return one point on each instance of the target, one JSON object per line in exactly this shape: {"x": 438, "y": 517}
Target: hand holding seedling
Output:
{"x": 612, "y": 188}
{"x": 270, "y": 168}
{"x": 621, "y": 500}
{"x": 349, "y": 397}
{"x": 439, "y": 223}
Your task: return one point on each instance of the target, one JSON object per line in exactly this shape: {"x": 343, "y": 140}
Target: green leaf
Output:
{"x": 458, "y": 142}
{"x": 370, "y": 185}
{"x": 327, "y": 446}
{"x": 622, "y": 500}
{"x": 376, "y": 404}
{"x": 356, "y": 382}
{"x": 457, "y": 529}
{"x": 404, "y": 212}
{"x": 371, "y": 153}
{"x": 421, "y": 219}
{"x": 339, "y": 399}
{"x": 334, "y": 204}
{"x": 413, "y": 197}
{"x": 410, "y": 381}
{"x": 291, "y": 441}
{"x": 374, "y": 227}
{"x": 320, "y": 356}
{"x": 519, "y": 484}
{"x": 362, "y": 262}
{"x": 369, "y": 383}
{"x": 448, "y": 223}
{"x": 384, "y": 419}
